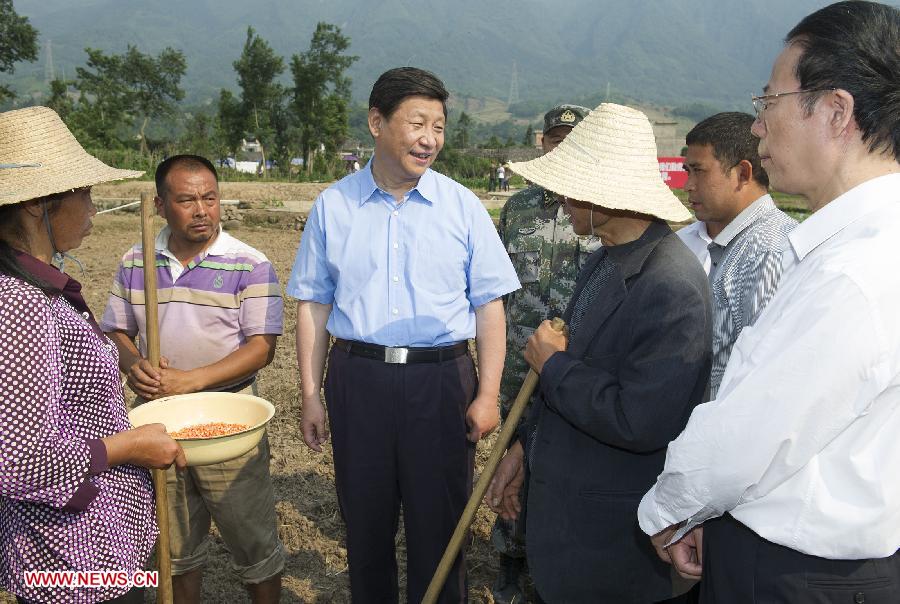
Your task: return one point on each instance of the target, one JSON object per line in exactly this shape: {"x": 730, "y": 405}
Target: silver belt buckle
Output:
{"x": 395, "y": 355}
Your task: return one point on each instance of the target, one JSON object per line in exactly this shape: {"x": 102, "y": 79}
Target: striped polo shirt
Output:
{"x": 207, "y": 309}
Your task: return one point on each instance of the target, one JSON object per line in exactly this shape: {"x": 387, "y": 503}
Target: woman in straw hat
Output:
{"x": 622, "y": 385}
{"x": 74, "y": 490}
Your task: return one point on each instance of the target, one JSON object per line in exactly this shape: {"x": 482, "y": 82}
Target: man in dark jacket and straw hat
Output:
{"x": 622, "y": 384}
{"x": 547, "y": 255}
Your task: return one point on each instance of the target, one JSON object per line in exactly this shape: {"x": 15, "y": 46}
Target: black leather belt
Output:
{"x": 393, "y": 354}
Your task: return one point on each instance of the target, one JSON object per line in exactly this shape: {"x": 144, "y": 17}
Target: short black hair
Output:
{"x": 729, "y": 136}
{"x": 394, "y": 85}
{"x": 193, "y": 163}
{"x": 855, "y": 46}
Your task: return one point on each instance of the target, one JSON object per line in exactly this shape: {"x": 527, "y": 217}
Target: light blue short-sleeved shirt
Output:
{"x": 401, "y": 274}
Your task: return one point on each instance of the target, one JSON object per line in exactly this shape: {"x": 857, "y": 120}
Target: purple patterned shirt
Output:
{"x": 61, "y": 507}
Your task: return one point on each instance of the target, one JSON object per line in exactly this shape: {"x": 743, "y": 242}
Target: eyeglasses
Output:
{"x": 761, "y": 103}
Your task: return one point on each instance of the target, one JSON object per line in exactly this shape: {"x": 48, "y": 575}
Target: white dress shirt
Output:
{"x": 697, "y": 239}
{"x": 801, "y": 443}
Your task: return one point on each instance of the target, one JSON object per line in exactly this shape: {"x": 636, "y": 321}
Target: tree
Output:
{"x": 461, "y": 138}
{"x": 528, "y": 140}
{"x": 321, "y": 92}
{"x": 153, "y": 84}
{"x": 493, "y": 143}
{"x": 231, "y": 121}
{"x": 18, "y": 42}
{"x": 116, "y": 90}
{"x": 59, "y": 100}
{"x": 102, "y": 111}
{"x": 261, "y": 96}
{"x": 286, "y": 136}
{"x": 200, "y": 137}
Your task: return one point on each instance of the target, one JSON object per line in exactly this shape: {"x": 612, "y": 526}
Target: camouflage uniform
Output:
{"x": 547, "y": 255}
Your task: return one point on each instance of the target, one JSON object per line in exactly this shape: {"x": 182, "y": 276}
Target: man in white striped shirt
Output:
{"x": 727, "y": 189}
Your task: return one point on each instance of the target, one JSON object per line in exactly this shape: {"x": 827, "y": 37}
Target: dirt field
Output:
{"x": 310, "y": 524}
{"x": 255, "y": 192}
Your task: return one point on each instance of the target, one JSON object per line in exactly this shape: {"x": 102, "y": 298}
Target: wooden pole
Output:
{"x": 500, "y": 446}
{"x": 163, "y": 552}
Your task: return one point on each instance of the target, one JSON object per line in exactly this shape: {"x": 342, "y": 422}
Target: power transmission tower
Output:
{"x": 49, "y": 72}
{"x": 513, "y": 87}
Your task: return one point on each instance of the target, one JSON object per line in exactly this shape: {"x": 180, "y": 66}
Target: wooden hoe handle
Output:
{"x": 163, "y": 552}
{"x": 500, "y": 446}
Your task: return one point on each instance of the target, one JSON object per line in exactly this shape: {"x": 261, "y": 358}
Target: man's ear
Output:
{"x": 376, "y": 121}
{"x": 744, "y": 171}
{"x": 160, "y": 206}
{"x": 840, "y": 104}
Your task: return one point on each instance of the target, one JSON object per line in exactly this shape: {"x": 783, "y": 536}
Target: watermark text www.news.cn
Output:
{"x": 76, "y": 579}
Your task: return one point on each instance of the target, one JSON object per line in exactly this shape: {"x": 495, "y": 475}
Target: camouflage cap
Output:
{"x": 564, "y": 115}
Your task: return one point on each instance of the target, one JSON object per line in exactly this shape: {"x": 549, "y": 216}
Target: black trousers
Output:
{"x": 740, "y": 567}
{"x": 399, "y": 438}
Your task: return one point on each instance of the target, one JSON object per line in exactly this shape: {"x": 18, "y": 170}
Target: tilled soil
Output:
{"x": 264, "y": 193}
{"x": 309, "y": 521}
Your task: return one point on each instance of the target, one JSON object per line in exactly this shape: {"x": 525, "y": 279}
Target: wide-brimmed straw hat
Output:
{"x": 39, "y": 157}
{"x": 608, "y": 159}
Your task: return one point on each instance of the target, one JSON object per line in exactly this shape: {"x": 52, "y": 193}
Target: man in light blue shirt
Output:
{"x": 401, "y": 265}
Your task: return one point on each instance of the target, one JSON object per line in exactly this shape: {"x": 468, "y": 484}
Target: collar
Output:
{"x": 69, "y": 288}
{"x": 748, "y": 216}
{"x": 366, "y": 183}
{"x": 47, "y": 273}
{"x": 843, "y": 211}
{"x": 427, "y": 187}
{"x": 550, "y": 198}
{"x": 698, "y": 229}
{"x": 631, "y": 256}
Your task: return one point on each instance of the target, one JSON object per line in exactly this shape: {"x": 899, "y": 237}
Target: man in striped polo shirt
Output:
{"x": 728, "y": 191}
{"x": 220, "y": 313}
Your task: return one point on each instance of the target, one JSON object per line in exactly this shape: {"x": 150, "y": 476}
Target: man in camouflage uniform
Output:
{"x": 547, "y": 255}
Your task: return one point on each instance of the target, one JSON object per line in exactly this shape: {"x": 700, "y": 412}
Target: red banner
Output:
{"x": 672, "y": 171}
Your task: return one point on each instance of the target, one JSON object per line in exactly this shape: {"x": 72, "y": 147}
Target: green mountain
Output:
{"x": 661, "y": 51}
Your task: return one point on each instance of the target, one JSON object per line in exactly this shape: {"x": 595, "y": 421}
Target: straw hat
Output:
{"x": 609, "y": 160}
{"x": 39, "y": 157}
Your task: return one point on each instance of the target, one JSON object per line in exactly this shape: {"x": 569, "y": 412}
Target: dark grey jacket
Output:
{"x": 608, "y": 407}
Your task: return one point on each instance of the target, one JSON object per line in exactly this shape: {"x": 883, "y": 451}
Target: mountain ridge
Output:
{"x": 659, "y": 51}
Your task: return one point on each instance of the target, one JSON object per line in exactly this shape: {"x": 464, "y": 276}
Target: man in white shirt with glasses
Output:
{"x": 784, "y": 487}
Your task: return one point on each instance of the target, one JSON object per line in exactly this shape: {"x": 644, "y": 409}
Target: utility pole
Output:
{"x": 49, "y": 72}
{"x": 513, "y": 87}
